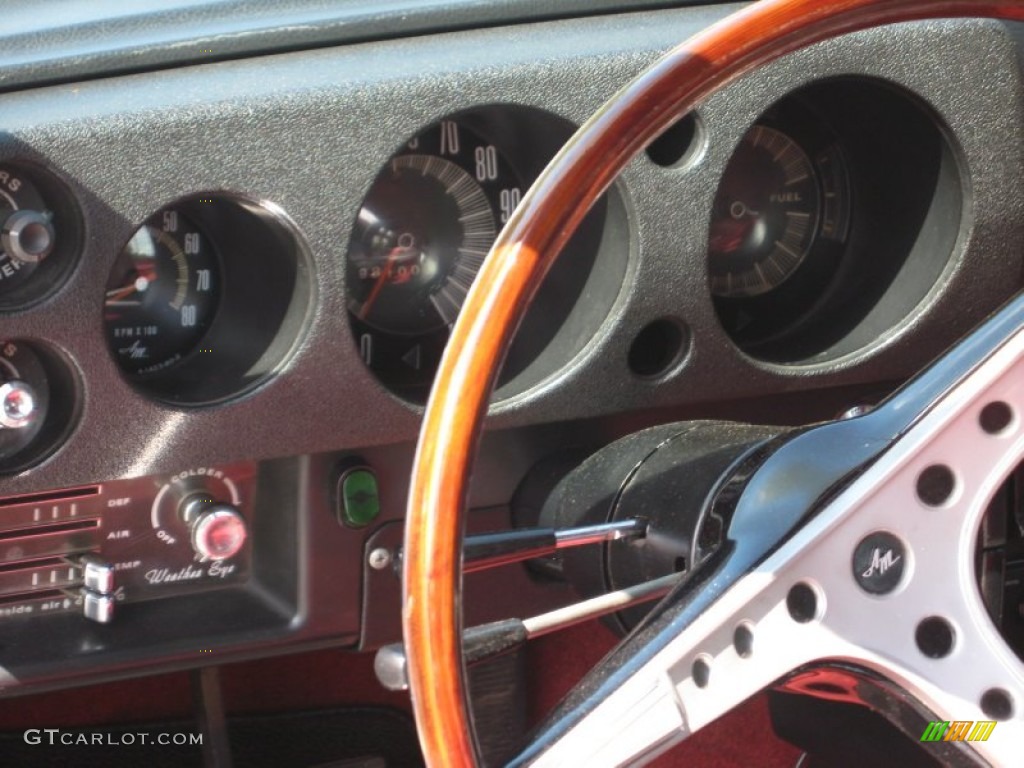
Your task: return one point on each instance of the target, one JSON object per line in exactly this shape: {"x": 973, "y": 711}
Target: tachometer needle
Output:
{"x": 116, "y": 295}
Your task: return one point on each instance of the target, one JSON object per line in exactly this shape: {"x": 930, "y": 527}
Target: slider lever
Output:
{"x": 489, "y": 550}
{"x": 486, "y": 640}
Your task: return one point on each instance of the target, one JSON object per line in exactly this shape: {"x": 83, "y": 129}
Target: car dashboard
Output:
{"x": 228, "y": 277}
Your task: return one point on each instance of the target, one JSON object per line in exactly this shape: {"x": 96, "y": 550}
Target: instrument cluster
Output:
{"x": 814, "y": 250}
{"x": 834, "y": 217}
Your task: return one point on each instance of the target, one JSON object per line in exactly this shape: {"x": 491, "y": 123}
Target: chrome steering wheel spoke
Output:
{"x": 878, "y": 572}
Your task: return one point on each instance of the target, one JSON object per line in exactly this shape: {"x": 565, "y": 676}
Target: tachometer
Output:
{"x": 162, "y": 294}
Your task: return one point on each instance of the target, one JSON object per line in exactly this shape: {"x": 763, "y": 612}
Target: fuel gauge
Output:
{"x": 779, "y": 228}
{"x": 765, "y": 216}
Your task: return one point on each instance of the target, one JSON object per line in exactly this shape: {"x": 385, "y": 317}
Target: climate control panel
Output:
{"x": 91, "y": 548}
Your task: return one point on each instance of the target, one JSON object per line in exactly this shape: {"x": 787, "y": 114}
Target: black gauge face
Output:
{"x": 162, "y": 294}
{"x": 420, "y": 237}
{"x": 423, "y": 232}
{"x": 18, "y": 193}
{"x": 765, "y": 216}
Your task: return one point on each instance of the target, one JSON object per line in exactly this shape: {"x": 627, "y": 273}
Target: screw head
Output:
{"x": 379, "y": 558}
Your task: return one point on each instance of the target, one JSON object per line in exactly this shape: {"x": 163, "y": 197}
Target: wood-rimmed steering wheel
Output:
{"x": 779, "y": 580}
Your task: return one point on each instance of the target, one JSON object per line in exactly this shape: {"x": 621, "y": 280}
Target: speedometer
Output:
{"x": 422, "y": 235}
{"x": 430, "y": 215}
{"x": 162, "y": 294}
{"x": 419, "y": 239}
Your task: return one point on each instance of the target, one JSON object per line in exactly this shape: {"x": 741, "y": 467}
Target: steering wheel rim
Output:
{"x": 520, "y": 257}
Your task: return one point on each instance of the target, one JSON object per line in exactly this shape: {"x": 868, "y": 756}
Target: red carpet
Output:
{"x": 741, "y": 739}
{"x": 336, "y": 678}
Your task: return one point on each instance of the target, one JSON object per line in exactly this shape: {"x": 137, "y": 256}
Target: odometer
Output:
{"x": 162, "y": 294}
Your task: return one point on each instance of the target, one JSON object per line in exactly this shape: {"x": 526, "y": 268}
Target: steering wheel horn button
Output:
{"x": 878, "y": 563}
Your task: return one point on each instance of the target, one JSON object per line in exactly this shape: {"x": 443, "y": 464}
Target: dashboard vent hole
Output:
{"x": 680, "y": 145}
{"x": 658, "y": 347}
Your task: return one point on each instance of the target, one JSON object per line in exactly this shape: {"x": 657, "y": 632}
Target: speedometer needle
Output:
{"x": 378, "y": 286}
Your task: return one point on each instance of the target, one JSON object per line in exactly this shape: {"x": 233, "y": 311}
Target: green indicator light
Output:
{"x": 360, "y": 497}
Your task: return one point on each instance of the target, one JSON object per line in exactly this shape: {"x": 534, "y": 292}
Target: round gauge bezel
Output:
{"x": 257, "y": 323}
{"x": 53, "y": 271}
{"x": 881, "y": 249}
{"x": 560, "y": 325}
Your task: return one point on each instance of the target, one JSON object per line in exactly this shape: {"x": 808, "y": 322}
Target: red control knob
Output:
{"x": 218, "y": 532}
